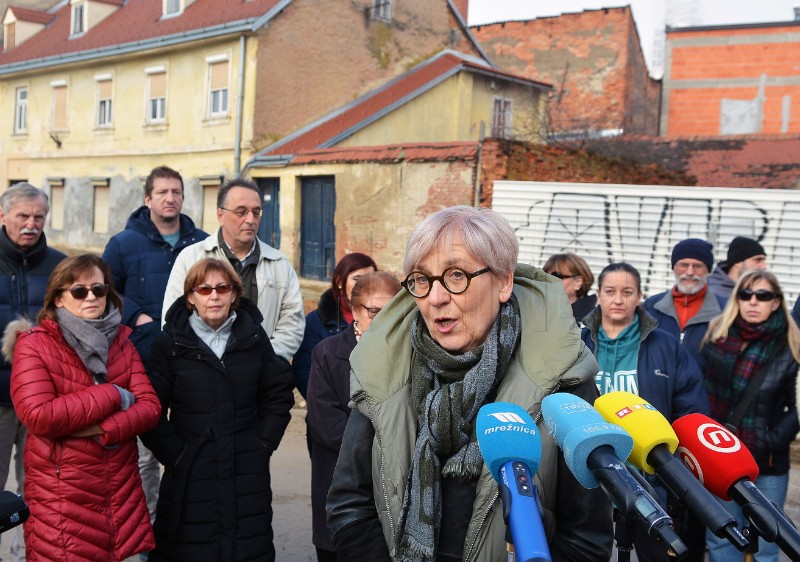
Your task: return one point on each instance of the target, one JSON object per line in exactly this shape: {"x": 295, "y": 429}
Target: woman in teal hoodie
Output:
{"x": 635, "y": 356}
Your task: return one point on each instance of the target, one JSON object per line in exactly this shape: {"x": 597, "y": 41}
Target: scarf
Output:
{"x": 447, "y": 390}
{"x": 90, "y": 338}
{"x": 729, "y": 370}
{"x": 215, "y": 339}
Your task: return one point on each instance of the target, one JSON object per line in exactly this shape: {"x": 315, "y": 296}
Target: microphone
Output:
{"x": 724, "y": 465}
{"x": 13, "y": 510}
{"x": 511, "y": 448}
{"x": 654, "y": 441}
{"x": 592, "y": 450}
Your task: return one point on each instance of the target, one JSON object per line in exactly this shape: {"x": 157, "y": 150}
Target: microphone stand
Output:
{"x": 623, "y": 534}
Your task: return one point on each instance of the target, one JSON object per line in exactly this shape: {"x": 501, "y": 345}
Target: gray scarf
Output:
{"x": 448, "y": 390}
{"x": 90, "y": 338}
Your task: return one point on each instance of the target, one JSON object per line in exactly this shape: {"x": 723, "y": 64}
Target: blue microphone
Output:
{"x": 511, "y": 448}
{"x": 592, "y": 449}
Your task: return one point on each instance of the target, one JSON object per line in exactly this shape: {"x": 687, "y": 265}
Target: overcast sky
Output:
{"x": 650, "y": 15}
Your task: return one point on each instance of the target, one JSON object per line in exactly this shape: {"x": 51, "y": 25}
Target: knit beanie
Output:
{"x": 742, "y": 248}
{"x": 693, "y": 248}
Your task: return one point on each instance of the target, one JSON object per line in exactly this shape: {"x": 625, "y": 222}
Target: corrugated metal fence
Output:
{"x": 640, "y": 224}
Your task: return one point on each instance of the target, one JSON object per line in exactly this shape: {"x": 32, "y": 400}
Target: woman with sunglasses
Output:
{"x": 81, "y": 391}
{"x": 472, "y": 327}
{"x": 329, "y": 395}
{"x": 577, "y": 278}
{"x": 755, "y": 342}
{"x": 226, "y": 400}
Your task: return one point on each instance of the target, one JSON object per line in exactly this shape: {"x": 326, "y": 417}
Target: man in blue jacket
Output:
{"x": 686, "y": 309}
{"x": 26, "y": 262}
{"x": 141, "y": 258}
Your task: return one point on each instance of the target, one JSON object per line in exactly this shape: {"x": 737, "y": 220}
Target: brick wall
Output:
{"x": 705, "y": 66}
{"x": 594, "y": 61}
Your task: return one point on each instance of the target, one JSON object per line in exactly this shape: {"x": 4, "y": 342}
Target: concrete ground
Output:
{"x": 291, "y": 477}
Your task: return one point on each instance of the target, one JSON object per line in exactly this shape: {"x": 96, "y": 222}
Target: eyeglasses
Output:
{"x": 372, "y": 311}
{"x": 761, "y": 295}
{"x": 454, "y": 279}
{"x": 241, "y": 212}
{"x": 205, "y": 290}
{"x": 80, "y": 292}
{"x": 563, "y": 276}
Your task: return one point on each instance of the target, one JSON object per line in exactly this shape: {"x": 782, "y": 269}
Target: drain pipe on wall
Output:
{"x": 477, "y": 202}
{"x": 237, "y": 148}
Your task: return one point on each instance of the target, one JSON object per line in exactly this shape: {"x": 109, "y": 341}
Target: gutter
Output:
{"x": 237, "y": 147}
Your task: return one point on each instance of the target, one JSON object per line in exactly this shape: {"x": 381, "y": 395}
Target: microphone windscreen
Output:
{"x": 579, "y": 429}
{"x": 642, "y": 421}
{"x": 713, "y": 454}
{"x": 506, "y": 432}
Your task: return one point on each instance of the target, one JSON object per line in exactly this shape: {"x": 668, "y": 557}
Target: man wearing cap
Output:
{"x": 686, "y": 309}
{"x": 743, "y": 254}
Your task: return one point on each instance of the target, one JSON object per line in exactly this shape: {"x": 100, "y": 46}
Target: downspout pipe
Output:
{"x": 237, "y": 148}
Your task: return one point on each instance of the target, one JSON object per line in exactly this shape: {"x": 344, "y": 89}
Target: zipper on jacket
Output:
{"x": 484, "y": 517}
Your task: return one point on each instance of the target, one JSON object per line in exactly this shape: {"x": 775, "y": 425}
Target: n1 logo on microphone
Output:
{"x": 507, "y": 417}
{"x": 717, "y": 438}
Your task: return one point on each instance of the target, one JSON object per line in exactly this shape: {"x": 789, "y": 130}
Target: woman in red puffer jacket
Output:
{"x": 81, "y": 391}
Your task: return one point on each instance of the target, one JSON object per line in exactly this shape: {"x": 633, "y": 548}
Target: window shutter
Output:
{"x": 11, "y": 34}
{"x": 104, "y": 89}
{"x": 60, "y": 108}
{"x": 219, "y": 75}
{"x": 158, "y": 85}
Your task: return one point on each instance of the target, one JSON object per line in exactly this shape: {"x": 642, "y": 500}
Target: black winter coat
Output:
{"x": 221, "y": 420}
{"x": 328, "y": 410}
{"x": 23, "y": 280}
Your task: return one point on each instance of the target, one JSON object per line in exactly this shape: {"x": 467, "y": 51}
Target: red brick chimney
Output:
{"x": 463, "y": 8}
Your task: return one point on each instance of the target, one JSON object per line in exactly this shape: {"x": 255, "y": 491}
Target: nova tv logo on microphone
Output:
{"x": 514, "y": 421}
{"x": 717, "y": 438}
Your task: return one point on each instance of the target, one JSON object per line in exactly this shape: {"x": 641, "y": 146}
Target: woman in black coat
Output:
{"x": 226, "y": 400}
{"x": 329, "y": 394}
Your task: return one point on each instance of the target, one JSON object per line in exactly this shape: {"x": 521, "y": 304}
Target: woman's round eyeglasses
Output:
{"x": 205, "y": 290}
{"x": 79, "y": 292}
{"x": 454, "y": 279}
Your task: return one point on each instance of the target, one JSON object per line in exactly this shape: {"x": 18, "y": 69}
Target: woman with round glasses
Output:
{"x": 329, "y": 395}
{"x": 81, "y": 391}
{"x": 226, "y": 400}
{"x": 577, "y": 278}
{"x": 473, "y": 327}
{"x": 752, "y": 351}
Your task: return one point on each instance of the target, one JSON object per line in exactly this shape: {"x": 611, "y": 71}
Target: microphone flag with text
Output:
{"x": 654, "y": 443}
{"x": 594, "y": 451}
{"x": 722, "y": 463}
{"x": 511, "y": 448}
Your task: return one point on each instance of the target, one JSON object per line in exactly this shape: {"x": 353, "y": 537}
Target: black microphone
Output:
{"x": 592, "y": 450}
{"x": 654, "y": 441}
{"x": 13, "y": 511}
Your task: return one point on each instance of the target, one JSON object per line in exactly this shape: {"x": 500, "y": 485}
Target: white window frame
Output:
{"x": 21, "y": 110}
{"x": 78, "y": 23}
{"x": 382, "y": 10}
{"x": 501, "y": 121}
{"x": 104, "y": 117}
{"x": 157, "y": 105}
{"x": 172, "y": 8}
{"x": 218, "y": 99}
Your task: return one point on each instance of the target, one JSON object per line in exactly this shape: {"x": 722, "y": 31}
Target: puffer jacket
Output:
{"x": 668, "y": 377}
{"x": 324, "y": 322}
{"x": 23, "y": 279}
{"x": 280, "y": 301}
{"x": 775, "y": 409}
{"x": 221, "y": 420}
{"x": 84, "y": 493}
{"x": 366, "y": 496}
{"x": 141, "y": 260}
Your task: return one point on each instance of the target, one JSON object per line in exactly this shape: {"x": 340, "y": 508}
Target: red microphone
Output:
{"x": 725, "y": 467}
{"x": 713, "y": 454}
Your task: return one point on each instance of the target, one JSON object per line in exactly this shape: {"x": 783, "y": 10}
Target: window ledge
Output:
{"x": 212, "y": 120}
{"x": 156, "y": 127}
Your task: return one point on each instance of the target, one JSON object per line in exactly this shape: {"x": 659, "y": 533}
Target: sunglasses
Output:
{"x": 761, "y": 295}
{"x": 563, "y": 276}
{"x": 79, "y": 292}
{"x": 205, "y": 290}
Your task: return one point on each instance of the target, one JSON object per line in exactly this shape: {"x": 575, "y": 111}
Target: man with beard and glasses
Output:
{"x": 26, "y": 262}
{"x": 686, "y": 309}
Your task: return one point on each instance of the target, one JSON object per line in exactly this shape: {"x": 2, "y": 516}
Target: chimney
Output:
{"x": 797, "y": 13}
{"x": 463, "y": 8}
